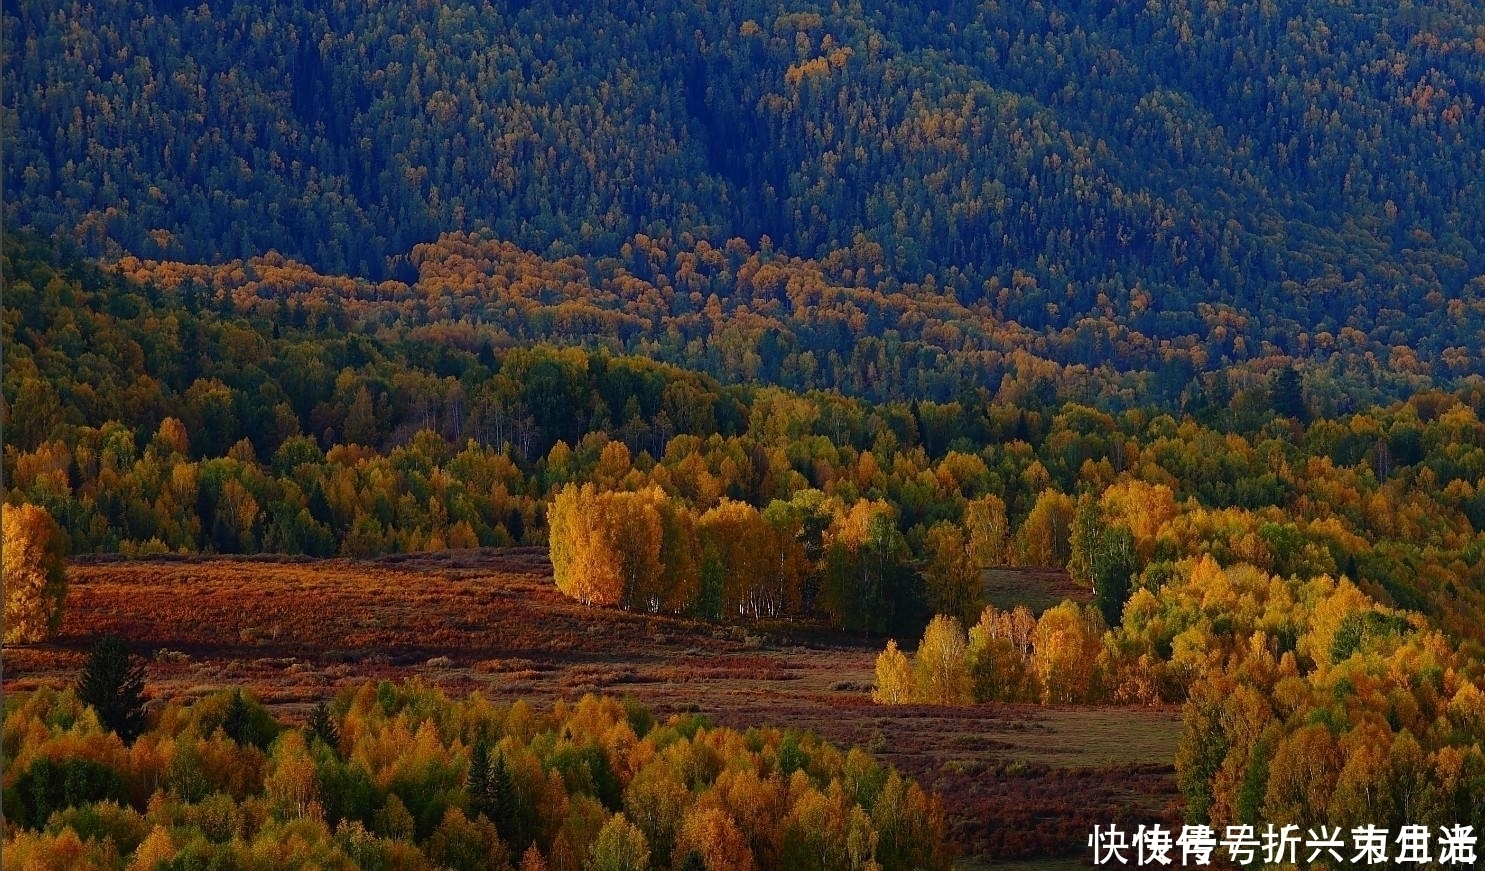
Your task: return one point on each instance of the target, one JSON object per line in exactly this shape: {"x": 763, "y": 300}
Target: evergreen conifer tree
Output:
{"x": 321, "y": 726}
{"x": 114, "y": 687}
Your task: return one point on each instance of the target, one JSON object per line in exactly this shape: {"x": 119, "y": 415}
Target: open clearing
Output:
{"x": 1037, "y": 589}
{"x": 1018, "y": 781}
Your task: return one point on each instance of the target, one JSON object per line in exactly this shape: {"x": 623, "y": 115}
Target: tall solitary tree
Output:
{"x": 35, "y": 576}
{"x": 114, "y": 687}
{"x": 894, "y": 677}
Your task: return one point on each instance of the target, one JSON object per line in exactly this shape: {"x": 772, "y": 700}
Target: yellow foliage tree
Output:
{"x": 620, "y": 846}
{"x": 157, "y": 847}
{"x": 1066, "y": 645}
{"x": 606, "y": 546}
{"x": 35, "y": 576}
{"x": 1044, "y": 537}
{"x": 744, "y": 541}
{"x": 655, "y": 801}
{"x": 940, "y": 667}
{"x": 631, "y": 524}
{"x": 894, "y": 677}
{"x": 292, "y": 786}
{"x": 580, "y": 564}
{"x": 989, "y": 531}
{"x": 532, "y": 860}
{"x": 1302, "y": 777}
{"x": 1143, "y": 507}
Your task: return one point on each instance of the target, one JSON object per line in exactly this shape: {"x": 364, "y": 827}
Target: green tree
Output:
{"x": 512, "y": 815}
{"x": 322, "y": 727}
{"x": 620, "y": 847}
{"x": 478, "y": 782}
{"x": 1084, "y": 538}
{"x": 1202, "y": 748}
{"x": 1286, "y": 396}
{"x": 248, "y": 723}
{"x": 998, "y": 667}
{"x": 954, "y": 585}
{"x": 1114, "y": 567}
{"x": 713, "y": 577}
{"x": 114, "y": 686}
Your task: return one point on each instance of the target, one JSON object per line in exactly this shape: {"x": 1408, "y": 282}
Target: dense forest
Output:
{"x": 400, "y": 776}
{"x": 150, "y": 420}
{"x": 799, "y": 314}
{"x": 1308, "y": 587}
{"x": 1091, "y": 175}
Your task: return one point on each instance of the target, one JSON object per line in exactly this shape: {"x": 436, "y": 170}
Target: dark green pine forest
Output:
{"x": 1307, "y": 167}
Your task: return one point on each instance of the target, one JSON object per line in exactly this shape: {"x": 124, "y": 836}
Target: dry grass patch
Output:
{"x": 1037, "y": 589}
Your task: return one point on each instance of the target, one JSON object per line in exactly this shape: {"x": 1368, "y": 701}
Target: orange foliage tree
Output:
{"x": 35, "y": 576}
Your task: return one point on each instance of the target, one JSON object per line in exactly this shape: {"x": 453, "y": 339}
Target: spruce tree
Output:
{"x": 709, "y": 597}
{"x": 505, "y": 807}
{"x": 114, "y": 687}
{"x": 479, "y": 778}
{"x": 1287, "y": 395}
{"x": 321, "y": 726}
{"x": 238, "y": 723}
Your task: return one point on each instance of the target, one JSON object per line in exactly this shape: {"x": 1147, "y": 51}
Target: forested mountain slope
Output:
{"x": 1303, "y": 167}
